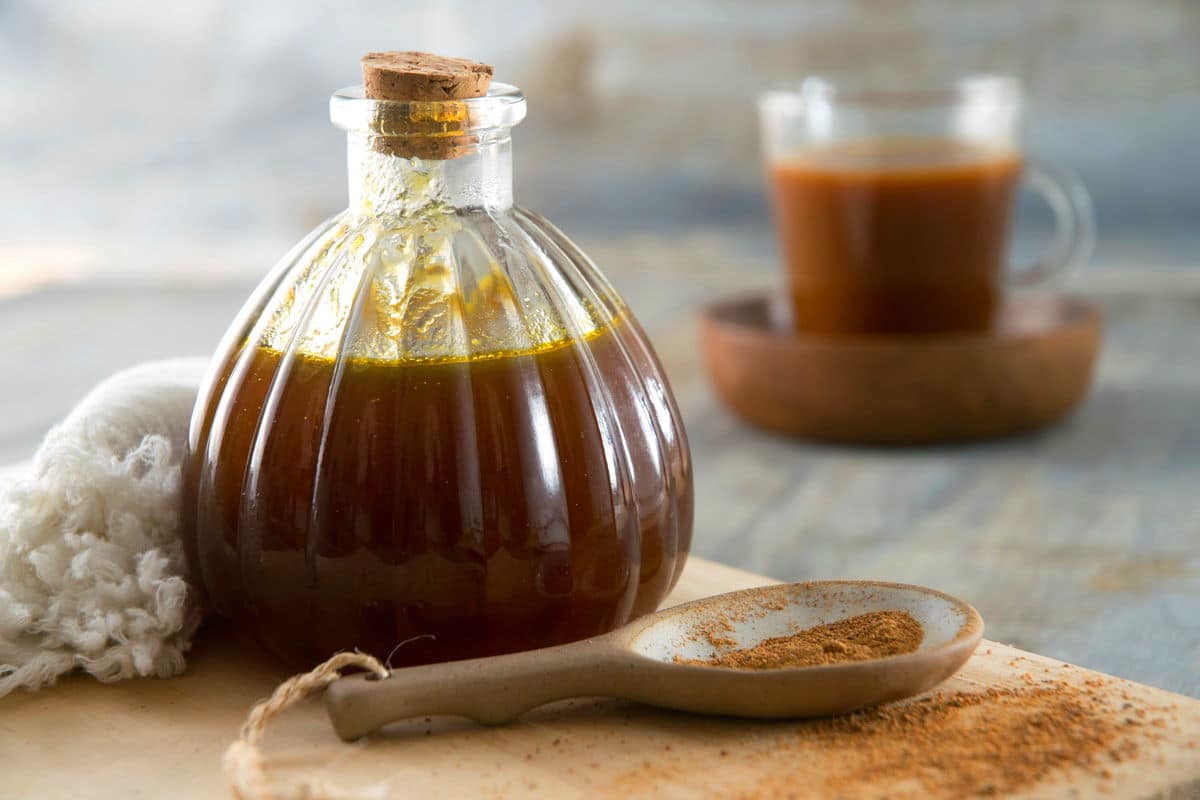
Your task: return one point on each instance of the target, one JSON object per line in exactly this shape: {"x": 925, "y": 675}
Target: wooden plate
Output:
{"x": 1030, "y": 371}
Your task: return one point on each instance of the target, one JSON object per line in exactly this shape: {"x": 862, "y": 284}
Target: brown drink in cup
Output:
{"x": 893, "y": 208}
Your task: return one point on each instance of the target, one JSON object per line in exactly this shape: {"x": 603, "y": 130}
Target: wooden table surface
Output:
{"x": 164, "y": 738}
{"x": 1080, "y": 543}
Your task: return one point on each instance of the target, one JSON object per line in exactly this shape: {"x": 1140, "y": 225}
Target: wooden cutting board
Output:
{"x": 164, "y": 738}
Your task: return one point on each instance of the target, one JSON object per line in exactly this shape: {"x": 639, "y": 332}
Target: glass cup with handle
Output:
{"x": 894, "y": 206}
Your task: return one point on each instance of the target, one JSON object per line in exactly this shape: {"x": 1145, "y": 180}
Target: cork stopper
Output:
{"x": 430, "y": 120}
{"x": 409, "y": 75}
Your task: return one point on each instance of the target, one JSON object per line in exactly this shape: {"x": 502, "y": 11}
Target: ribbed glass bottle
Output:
{"x": 434, "y": 431}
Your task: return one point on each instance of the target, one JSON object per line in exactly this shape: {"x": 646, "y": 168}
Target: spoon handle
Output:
{"x": 488, "y": 690}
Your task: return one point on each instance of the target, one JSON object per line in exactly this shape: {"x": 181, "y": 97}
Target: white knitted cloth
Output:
{"x": 91, "y": 565}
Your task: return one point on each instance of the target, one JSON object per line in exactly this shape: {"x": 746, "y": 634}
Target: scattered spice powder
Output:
{"x": 1015, "y": 740}
{"x": 858, "y": 638}
{"x": 962, "y": 744}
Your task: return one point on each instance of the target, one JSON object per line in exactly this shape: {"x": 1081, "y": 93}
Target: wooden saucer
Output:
{"x": 1028, "y": 372}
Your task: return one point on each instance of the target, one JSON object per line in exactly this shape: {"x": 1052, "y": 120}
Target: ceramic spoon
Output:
{"x": 637, "y": 662}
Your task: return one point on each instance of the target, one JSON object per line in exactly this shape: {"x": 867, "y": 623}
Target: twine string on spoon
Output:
{"x": 243, "y": 761}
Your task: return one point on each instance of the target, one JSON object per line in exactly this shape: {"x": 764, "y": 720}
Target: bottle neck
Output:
{"x": 385, "y": 184}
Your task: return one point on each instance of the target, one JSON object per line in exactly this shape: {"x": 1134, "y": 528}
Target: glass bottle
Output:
{"x": 434, "y": 431}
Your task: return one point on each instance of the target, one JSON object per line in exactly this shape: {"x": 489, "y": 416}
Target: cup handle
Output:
{"x": 1075, "y": 224}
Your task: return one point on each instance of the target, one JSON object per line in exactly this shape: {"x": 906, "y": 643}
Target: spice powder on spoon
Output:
{"x": 865, "y": 636}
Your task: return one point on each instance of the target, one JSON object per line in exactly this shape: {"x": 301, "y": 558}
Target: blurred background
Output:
{"x": 157, "y": 158}
{"x": 155, "y": 138}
